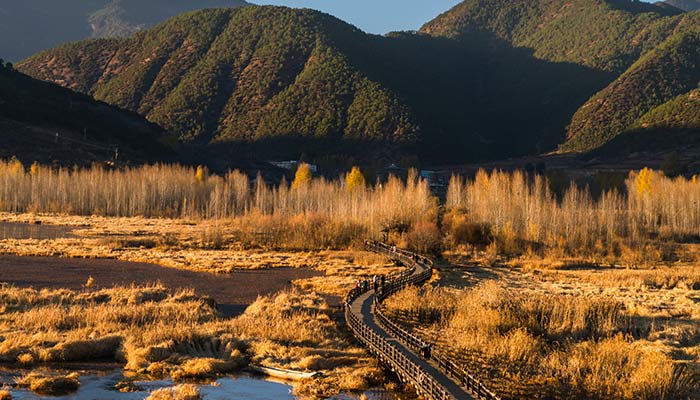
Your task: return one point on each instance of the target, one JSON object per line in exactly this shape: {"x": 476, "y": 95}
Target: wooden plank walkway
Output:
{"x": 435, "y": 376}
{"x": 363, "y": 307}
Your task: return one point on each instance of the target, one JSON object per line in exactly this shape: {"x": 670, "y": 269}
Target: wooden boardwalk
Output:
{"x": 363, "y": 307}
{"x": 433, "y": 375}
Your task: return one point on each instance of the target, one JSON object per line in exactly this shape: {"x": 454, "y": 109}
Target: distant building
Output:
{"x": 291, "y": 165}
{"x": 392, "y": 170}
{"x": 427, "y": 174}
{"x": 436, "y": 178}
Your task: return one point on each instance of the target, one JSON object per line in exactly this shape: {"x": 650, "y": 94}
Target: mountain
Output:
{"x": 120, "y": 18}
{"x": 41, "y": 121}
{"x": 29, "y": 26}
{"x": 280, "y": 82}
{"x": 253, "y": 74}
{"x": 649, "y": 50}
{"x": 685, "y": 5}
{"x": 488, "y": 79}
{"x": 605, "y": 35}
{"x": 657, "y": 91}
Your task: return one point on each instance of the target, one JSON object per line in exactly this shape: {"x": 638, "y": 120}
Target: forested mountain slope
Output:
{"x": 650, "y": 51}
{"x": 659, "y": 90}
{"x": 41, "y": 121}
{"x": 488, "y": 79}
{"x": 298, "y": 81}
{"x": 606, "y": 35}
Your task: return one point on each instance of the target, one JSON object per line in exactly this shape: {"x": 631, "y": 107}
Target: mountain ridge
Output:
{"x": 685, "y": 5}
{"x": 264, "y": 81}
{"x": 669, "y": 71}
{"x": 41, "y": 121}
{"x": 607, "y": 35}
{"x": 29, "y": 26}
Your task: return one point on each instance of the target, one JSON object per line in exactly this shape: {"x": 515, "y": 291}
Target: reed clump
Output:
{"x": 160, "y": 333}
{"x": 529, "y": 343}
{"x": 49, "y": 385}
{"x": 320, "y": 212}
{"x": 179, "y": 392}
{"x": 521, "y": 215}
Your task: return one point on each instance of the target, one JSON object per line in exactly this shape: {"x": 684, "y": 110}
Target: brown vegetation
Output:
{"x": 159, "y": 333}
{"x": 49, "y": 385}
{"x": 552, "y": 328}
{"x": 540, "y": 344}
{"x": 521, "y": 215}
{"x": 315, "y": 214}
{"x": 179, "y": 392}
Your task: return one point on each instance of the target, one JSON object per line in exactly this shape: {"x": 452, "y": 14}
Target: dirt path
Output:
{"x": 233, "y": 292}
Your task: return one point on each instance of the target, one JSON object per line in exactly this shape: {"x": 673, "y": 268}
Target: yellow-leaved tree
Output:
{"x": 643, "y": 181}
{"x": 16, "y": 166}
{"x": 34, "y": 169}
{"x": 355, "y": 180}
{"x": 201, "y": 174}
{"x": 303, "y": 176}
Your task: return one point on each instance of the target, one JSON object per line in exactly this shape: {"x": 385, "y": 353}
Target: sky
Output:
{"x": 375, "y": 16}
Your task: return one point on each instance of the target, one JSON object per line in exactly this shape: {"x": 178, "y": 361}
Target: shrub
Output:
{"x": 50, "y": 385}
{"x": 179, "y": 392}
{"x": 459, "y": 230}
{"x": 424, "y": 237}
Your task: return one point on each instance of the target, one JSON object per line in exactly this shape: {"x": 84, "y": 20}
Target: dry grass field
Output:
{"x": 157, "y": 333}
{"x": 581, "y": 333}
{"x": 179, "y": 244}
{"x": 542, "y": 294}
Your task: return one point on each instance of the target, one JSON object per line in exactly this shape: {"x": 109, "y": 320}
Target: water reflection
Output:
{"x": 99, "y": 385}
{"x": 102, "y": 388}
{"x": 12, "y": 230}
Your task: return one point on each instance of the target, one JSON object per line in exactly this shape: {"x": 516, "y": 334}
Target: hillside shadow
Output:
{"x": 42, "y": 121}
{"x": 332, "y": 152}
{"x": 477, "y": 97}
{"x": 650, "y": 143}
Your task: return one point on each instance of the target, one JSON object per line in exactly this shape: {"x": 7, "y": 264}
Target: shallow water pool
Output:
{"x": 99, "y": 385}
{"x": 13, "y": 230}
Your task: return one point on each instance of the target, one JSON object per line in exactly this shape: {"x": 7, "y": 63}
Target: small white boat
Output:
{"x": 285, "y": 374}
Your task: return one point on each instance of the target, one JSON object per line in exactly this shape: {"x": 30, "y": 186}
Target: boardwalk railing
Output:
{"x": 418, "y": 270}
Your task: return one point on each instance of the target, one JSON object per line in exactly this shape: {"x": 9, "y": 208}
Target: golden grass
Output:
{"x": 179, "y": 392}
{"x": 206, "y": 367}
{"x": 5, "y": 395}
{"x": 318, "y": 214}
{"x": 50, "y": 385}
{"x": 343, "y": 268}
{"x": 159, "y": 333}
{"x": 171, "y": 243}
{"x": 639, "y": 226}
{"x": 564, "y": 334}
{"x": 681, "y": 277}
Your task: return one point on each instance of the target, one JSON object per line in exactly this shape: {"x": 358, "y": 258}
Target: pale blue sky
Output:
{"x": 375, "y": 16}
